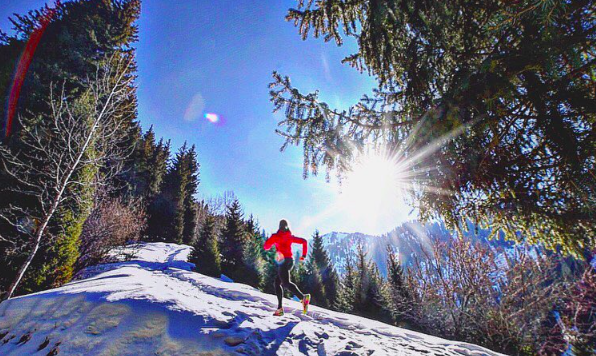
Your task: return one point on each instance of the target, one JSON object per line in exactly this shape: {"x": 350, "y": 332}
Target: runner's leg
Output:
{"x": 284, "y": 273}
{"x": 278, "y": 290}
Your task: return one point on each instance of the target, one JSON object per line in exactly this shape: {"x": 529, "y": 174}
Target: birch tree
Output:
{"x": 77, "y": 135}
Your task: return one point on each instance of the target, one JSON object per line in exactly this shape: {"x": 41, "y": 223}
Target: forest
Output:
{"x": 79, "y": 176}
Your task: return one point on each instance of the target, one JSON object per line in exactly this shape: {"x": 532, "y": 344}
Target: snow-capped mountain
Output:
{"x": 155, "y": 305}
{"x": 407, "y": 240}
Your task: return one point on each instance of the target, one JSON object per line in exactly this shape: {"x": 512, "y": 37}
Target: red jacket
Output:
{"x": 283, "y": 240}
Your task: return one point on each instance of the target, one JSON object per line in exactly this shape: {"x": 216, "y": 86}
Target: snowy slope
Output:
{"x": 155, "y": 305}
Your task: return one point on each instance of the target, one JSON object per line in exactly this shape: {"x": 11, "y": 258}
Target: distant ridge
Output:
{"x": 408, "y": 240}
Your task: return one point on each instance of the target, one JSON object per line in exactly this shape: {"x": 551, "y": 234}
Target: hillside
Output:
{"x": 156, "y": 305}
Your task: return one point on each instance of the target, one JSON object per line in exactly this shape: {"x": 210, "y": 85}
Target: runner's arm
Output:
{"x": 269, "y": 243}
{"x": 303, "y": 242}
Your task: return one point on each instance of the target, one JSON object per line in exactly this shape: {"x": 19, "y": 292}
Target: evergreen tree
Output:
{"x": 233, "y": 241}
{"x": 172, "y": 214}
{"x": 314, "y": 284}
{"x": 369, "y": 299}
{"x": 205, "y": 253}
{"x": 191, "y": 171}
{"x": 253, "y": 260}
{"x": 160, "y": 216}
{"x": 347, "y": 293}
{"x": 502, "y": 92}
{"x": 177, "y": 181}
{"x": 325, "y": 268}
{"x": 80, "y": 37}
{"x": 145, "y": 172}
{"x": 269, "y": 268}
{"x": 399, "y": 299}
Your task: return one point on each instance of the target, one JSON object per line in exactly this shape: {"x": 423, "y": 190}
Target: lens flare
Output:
{"x": 213, "y": 118}
{"x": 24, "y": 62}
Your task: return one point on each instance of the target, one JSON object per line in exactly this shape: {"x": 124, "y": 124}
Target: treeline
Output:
{"x": 231, "y": 245}
{"x": 79, "y": 176}
{"x": 69, "y": 165}
{"x": 520, "y": 301}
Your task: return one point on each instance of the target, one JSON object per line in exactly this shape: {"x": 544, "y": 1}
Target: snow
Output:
{"x": 155, "y": 304}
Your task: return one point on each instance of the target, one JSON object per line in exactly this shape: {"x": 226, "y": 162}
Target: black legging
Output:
{"x": 283, "y": 278}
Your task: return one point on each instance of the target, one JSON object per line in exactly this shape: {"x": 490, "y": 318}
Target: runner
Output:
{"x": 283, "y": 240}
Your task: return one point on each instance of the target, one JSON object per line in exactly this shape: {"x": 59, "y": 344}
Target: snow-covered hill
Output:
{"x": 154, "y": 305}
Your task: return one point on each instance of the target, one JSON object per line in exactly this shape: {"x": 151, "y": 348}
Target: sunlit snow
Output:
{"x": 156, "y": 305}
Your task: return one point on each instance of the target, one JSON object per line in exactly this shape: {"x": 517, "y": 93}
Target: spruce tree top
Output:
{"x": 503, "y": 93}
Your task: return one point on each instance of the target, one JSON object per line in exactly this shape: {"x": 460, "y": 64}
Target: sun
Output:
{"x": 373, "y": 188}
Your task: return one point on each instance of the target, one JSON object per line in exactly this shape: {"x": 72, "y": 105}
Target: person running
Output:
{"x": 283, "y": 240}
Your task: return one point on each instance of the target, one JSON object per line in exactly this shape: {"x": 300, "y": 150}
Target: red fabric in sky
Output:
{"x": 283, "y": 240}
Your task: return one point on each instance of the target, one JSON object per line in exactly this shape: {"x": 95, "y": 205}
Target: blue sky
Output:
{"x": 207, "y": 56}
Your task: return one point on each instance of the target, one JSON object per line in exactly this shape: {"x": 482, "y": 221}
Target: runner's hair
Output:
{"x": 284, "y": 225}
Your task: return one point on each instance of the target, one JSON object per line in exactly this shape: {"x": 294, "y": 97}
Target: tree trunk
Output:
{"x": 25, "y": 265}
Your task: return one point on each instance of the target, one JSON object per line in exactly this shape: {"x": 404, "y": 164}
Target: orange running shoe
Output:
{"x": 305, "y": 303}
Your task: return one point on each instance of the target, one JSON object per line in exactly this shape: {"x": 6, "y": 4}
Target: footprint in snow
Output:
{"x": 25, "y": 338}
{"x": 44, "y": 344}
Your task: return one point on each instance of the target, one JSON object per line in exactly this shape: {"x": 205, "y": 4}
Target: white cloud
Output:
{"x": 195, "y": 108}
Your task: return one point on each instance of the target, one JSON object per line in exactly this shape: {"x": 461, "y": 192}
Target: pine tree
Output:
{"x": 313, "y": 284}
{"x": 79, "y": 34}
{"x": 370, "y": 298}
{"x": 399, "y": 299}
{"x": 205, "y": 253}
{"x": 455, "y": 76}
{"x": 80, "y": 37}
{"x": 347, "y": 293}
{"x": 233, "y": 241}
{"x": 191, "y": 170}
{"x": 325, "y": 268}
{"x": 172, "y": 214}
{"x": 147, "y": 167}
{"x": 270, "y": 267}
{"x": 178, "y": 180}
{"x": 252, "y": 258}
{"x": 378, "y": 307}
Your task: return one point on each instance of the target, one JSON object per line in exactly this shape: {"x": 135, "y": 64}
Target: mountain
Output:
{"x": 155, "y": 305}
{"x": 408, "y": 240}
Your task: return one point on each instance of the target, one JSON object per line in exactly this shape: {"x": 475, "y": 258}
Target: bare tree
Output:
{"x": 77, "y": 133}
{"x": 219, "y": 204}
{"x": 471, "y": 292}
{"x": 113, "y": 222}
